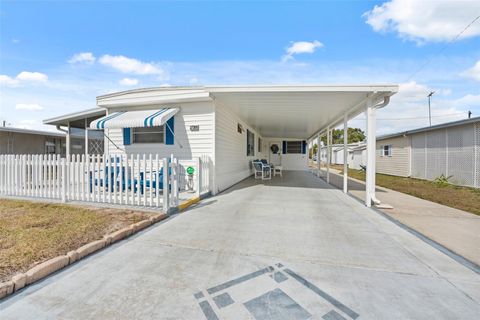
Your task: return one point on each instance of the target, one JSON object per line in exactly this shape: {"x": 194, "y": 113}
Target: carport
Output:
{"x": 310, "y": 112}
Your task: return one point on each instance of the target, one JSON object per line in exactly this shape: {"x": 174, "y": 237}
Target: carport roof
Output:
{"x": 282, "y": 111}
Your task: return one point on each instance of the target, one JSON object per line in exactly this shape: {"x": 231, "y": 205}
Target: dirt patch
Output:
{"x": 463, "y": 198}
{"x": 33, "y": 232}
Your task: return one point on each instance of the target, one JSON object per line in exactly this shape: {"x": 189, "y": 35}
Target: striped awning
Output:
{"x": 134, "y": 119}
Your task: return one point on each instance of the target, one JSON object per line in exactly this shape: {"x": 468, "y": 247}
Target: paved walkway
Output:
{"x": 455, "y": 229}
{"x": 291, "y": 248}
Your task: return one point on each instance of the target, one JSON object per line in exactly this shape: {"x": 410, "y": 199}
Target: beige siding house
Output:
{"x": 393, "y": 156}
{"x": 25, "y": 141}
{"x": 450, "y": 149}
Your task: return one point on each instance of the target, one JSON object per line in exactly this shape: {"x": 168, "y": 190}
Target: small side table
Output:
{"x": 277, "y": 170}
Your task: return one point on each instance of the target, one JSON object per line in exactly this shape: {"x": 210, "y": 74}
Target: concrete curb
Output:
{"x": 50, "y": 266}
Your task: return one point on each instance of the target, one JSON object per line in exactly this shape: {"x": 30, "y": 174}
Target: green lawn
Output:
{"x": 463, "y": 198}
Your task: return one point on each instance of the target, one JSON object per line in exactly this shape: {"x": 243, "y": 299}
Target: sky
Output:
{"x": 56, "y": 57}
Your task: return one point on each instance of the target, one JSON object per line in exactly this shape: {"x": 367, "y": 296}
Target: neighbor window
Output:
{"x": 148, "y": 135}
{"x": 259, "y": 145}
{"x": 50, "y": 147}
{"x": 386, "y": 150}
{"x": 294, "y": 147}
{"x": 250, "y": 143}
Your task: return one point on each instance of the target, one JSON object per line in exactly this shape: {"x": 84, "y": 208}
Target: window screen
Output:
{"x": 148, "y": 135}
{"x": 259, "y": 145}
{"x": 294, "y": 146}
{"x": 250, "y": 143}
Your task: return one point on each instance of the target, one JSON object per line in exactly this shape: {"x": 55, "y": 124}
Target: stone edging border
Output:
{"x": 50, "y": 266}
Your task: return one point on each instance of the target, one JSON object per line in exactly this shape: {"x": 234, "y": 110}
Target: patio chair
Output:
{"x": 262, "y": 171}
{"x": 265, "y": 163}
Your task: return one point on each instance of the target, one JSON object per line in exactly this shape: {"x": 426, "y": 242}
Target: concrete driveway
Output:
{"x": 292, "y": 248}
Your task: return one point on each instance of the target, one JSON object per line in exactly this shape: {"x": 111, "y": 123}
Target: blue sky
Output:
{"x": 56, "y": 57}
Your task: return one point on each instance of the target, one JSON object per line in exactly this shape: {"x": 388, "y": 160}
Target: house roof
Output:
{"x": 76, "y": 119}
{"x": 424, "y": 129}
{"x": 294, "y": 111}
{"x": 28, "y": 131}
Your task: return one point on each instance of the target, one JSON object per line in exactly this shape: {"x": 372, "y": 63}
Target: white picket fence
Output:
{"x": 133, "y": 180}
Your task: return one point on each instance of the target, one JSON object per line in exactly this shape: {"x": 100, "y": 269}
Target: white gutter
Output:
{"x": 386, "y": 101}
{"x": 60, "y": 129}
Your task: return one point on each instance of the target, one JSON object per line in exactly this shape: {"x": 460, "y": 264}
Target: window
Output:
{"x": 294, "y": 147}
{"x": 250, "y": 143}
{"x": 386, "y": 150}
{"x": 148, "y": 135}
{"x": 50, "y": 147}
{"x": 259, "y": 145}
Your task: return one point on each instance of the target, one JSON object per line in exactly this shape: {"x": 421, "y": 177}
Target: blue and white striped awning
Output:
{"x": 134, "y": 119}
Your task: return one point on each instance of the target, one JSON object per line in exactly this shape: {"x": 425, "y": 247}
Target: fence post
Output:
{"x": 199, "y": 178}
{"x": 166, "y": 181}
{"x": 175, "y": 182}
{"x": 64, "y": 181}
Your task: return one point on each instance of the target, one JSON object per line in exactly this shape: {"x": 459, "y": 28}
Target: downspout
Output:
{"x": 386, "y": 101}
{"x": 59, "y": 128}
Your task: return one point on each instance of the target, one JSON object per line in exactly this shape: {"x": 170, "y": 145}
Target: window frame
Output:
{"x": 133, "y": 134}
{"x": 259, "y": 147}
{"x": 250, "y": 144}
{"x": 388, "y": 148}
{"x": 300, "y": 144}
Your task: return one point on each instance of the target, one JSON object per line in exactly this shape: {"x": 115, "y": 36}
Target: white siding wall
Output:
{"x": 287, "y": 161}
{"x": 232, "y": 163}
{"x": 399, "y": 163}
{"x": 357, "y": 159}
{"x": 187, "y": 144}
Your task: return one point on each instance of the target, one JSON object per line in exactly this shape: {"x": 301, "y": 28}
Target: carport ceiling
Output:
{"x": 297, "y": 111}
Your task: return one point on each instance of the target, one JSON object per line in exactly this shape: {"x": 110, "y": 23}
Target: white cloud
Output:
{"x": 128, "y": 82}
{"x": 32, "y": 76}
{"x": 24, "y": 76}
{"x": 130, "y": 65}
{"x": 82, "y": 57}
{"x": 301, "y": 47}
{"x": 422, "y": 21}
{"x": 473, "y": 72}
{"x": 28, "y": 107}
{"x": 7, "y": 81}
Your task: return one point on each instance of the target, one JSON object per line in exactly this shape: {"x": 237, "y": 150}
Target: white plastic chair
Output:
{"x": 262, "y": 171}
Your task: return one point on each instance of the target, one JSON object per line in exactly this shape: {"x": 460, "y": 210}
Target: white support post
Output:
{"x": 329, "y": 134}
{"x": 345, "y": 154}
{"x": 371, "y": 146}
{"x": 166, "y": 181}
{"x": 318, "y": 155}
{"x": 67, "y": 141}
{"x": 86, "y": 138}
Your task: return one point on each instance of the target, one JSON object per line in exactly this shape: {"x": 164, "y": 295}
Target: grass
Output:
{"x": 33, "y": 232}
{"x": 463, "y": 198}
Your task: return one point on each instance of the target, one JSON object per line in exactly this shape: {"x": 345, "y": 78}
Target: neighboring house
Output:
{"x": 231, "y": 125}
{"x": 357, "y": 157}
{"x": 338, "y": 155}
{"x": 24, "y": 141}
{"x": 450, "y": 149}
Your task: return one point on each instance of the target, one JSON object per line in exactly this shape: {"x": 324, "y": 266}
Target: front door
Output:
{"x": 275, "y": 153}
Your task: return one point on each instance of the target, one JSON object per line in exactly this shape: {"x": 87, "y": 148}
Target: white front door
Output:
{"x": 275, "y": 158}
